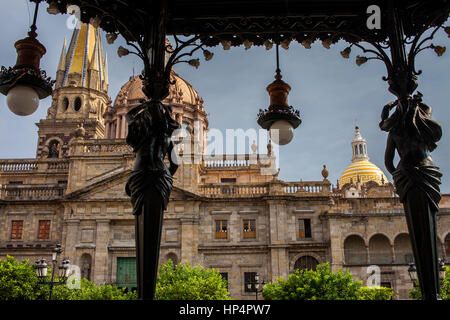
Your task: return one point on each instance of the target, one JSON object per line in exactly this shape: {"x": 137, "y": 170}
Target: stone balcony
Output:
{"x": 32, "y": 192}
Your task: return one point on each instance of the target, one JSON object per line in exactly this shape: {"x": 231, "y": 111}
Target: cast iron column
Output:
{"x": 413, "y": 134}
{"x": 150, "y": 127}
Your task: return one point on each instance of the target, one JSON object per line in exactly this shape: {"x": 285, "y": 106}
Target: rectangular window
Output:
{"x": 221, "y": 229}
{"x": 249, "y": 281}
{"x": 386, "y": 284}
{"x": 249, "y": 229}
{"x": 44, "y": 229}
{"x": 228, "y": 180}
{"x": 225, "y": 276}
{"x": 304, "y": 228}
{"x": 16, "y": 229}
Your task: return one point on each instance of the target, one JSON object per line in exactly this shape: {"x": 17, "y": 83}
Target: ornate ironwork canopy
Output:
{"x": 257, "y": 21}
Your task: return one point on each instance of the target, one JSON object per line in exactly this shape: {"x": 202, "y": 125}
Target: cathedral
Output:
{"x": 225, "y": 211}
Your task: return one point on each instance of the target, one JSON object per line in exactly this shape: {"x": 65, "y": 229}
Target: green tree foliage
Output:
{"x": 182, "y": 282}
{"x": 322, "y": 284}
{"x": 375, "y": 293}
{"x": 445, "y": 288}
{"x": 18, "y": 280}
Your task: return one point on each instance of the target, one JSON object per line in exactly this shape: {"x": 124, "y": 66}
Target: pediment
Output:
{"x": 112, "y": 187}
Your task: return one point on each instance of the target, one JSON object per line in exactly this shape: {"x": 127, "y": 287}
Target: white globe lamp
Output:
{"x": 22, "y": 100}
{"x": 281, "y": 132}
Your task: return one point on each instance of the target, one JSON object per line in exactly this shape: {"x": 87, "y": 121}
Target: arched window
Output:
{"x": 402, "y": 249}
{"x": 380, "y": 250}
{"x": 77, "y": 104}
{"x": 356, "y": 150}
{"x": 53, "y": 149}
{"x": 65, "y": 104}
{"x": 361, "y": 149}
{"x": 306, "y": 263}
{"x": 355, "y": 251}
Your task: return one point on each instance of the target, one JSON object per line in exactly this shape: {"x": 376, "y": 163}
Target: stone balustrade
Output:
{"x": 33, "y": 165}
{"x": 306, "y": 188}
{"x": 228, "y": 161}
{"x": 31, "y": 192}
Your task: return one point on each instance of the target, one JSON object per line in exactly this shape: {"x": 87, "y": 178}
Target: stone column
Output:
{"x": 72, "y": 225}
{"x": 107, "y": 129}
{"x": 189, "y": 240}
{"x": 100, "y": 275}
{"x": 278, "y": 239}
{"x": 118, "y": 127}
{"x": 123, "y": 131}
{"x": 336, "y": 249}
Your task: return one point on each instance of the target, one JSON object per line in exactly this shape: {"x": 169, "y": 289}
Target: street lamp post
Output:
{"x": 41, "y": 268}
{"x": 258, "y": 286}
{"x": 412, "y": 271}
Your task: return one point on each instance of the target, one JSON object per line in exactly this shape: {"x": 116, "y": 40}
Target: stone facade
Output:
{"x": 91, "y": 217}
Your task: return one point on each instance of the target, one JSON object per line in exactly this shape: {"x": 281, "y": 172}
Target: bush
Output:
{"x": 321, "y": 284}
{"x": 18, "y": 280}
{"x": 182, "y": 282}
{"x": 90, "y": 291}
{"x": 375, "y": 293}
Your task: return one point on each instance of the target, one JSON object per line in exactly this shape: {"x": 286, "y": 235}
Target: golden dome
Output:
{"x": 364, "y": 170}
{"x": 180, "y": 92}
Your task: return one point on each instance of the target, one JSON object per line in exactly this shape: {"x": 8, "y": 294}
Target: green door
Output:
{"x": 126, "y": 272}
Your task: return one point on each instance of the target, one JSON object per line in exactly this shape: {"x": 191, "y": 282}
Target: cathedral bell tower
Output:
{"x": 80, "y": 96}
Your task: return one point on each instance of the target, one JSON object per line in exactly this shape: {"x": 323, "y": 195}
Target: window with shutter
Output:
{"x": 16, "y": 229}
{"x": 304, "y": 228}
{"x": 44, "y": 229}
{"x": 249, "y": 228}
{"x": 221, "y": 229}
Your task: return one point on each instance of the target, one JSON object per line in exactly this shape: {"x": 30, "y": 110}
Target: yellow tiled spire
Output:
{"x": 62, "y": 59}
{"x": 105, "y": 70}
{"x": 84, "y": 55}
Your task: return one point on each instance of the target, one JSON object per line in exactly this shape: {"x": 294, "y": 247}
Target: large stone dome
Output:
{"x": 180, "y": 92}
{"x": 186, "y": 103}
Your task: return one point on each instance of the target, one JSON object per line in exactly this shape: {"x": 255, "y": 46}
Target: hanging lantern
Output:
{"x": 280, "y": 118}
{"x": 25, "y": 83}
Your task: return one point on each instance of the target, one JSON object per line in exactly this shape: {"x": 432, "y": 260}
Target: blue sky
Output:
{"x": 332, "y": 93}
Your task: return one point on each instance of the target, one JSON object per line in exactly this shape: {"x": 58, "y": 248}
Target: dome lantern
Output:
{"x": 361, "y": 169}
{"x": 359, "y": 147}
